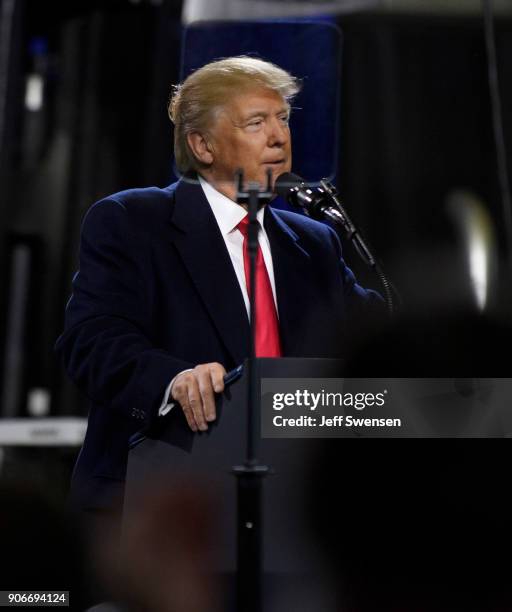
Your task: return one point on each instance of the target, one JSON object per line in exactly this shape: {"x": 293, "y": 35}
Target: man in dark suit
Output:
{"x": 159, "y": 309}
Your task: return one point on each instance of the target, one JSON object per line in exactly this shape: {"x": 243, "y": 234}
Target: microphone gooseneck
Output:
{"x": 323, "y": 203}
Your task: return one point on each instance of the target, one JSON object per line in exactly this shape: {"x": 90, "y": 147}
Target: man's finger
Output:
{"x": 196, "y": 404}
{"x": 217, "y": 373}
{"x": 207, "y": 396}
{"x": 187, "y": 411}
{"x": 180, "y": 394}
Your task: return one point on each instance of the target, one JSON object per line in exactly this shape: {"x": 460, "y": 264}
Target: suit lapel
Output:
{"x": 200, "y": 244}
{"x": 294, "y": 278}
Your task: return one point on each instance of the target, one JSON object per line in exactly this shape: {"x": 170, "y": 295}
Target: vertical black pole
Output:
{"x": 252, "y": 377}
{"x": 250, "y": 475}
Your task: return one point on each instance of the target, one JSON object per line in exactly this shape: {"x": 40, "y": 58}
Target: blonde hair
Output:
{"x": 194, "y": 102}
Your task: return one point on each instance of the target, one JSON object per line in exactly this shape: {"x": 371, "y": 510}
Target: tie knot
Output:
{"x": 243, "y": 226}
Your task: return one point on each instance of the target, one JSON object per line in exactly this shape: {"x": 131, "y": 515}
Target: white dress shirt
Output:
{"x": 228, "y": 215}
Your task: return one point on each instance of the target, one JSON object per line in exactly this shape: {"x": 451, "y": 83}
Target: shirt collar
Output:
{"x": 227, "y": 213}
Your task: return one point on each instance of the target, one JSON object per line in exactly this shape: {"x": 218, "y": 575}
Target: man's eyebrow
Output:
{"x": 261, "y": 113}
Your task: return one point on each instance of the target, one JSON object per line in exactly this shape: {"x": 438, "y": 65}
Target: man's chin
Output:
{"x": 276, "y": 171}
{"x": 260, "y": 177}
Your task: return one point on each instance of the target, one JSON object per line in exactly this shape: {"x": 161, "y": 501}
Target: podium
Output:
{"x": 171, "y": 451}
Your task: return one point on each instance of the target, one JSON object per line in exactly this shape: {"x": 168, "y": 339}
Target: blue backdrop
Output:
{"x": 310, "y": 50}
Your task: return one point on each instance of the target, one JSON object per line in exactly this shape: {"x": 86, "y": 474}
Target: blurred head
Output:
{"x": 167, "y": 546}
{"x": 230, "y": 114}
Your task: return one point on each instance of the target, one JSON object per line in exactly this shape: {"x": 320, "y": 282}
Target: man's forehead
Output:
{"x": 256, "y": 102}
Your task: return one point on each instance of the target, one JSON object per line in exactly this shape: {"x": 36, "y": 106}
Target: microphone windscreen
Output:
{"x": 285, "y": 182}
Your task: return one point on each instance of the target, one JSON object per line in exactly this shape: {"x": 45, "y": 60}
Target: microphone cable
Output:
{"x": 352, "y": 233}
{"x": 294, "y": 189}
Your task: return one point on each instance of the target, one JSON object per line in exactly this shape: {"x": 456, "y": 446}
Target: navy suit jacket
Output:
{"x": 156, "y": 293}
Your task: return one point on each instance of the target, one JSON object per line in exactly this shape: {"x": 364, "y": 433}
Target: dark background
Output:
{"x": 414, "y": 124}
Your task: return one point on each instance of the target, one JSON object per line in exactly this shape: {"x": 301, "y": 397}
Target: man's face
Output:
{"x": 250, "y": 132}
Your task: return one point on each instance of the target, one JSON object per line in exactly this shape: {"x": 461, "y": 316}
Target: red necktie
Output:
{"x": 267, "y": 342}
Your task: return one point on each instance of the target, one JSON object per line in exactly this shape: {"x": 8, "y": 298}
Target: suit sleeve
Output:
{"x": 360, "y": 301}
{"x": 107, "y": 346}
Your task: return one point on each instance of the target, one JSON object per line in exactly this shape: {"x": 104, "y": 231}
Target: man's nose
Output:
{"x": 278, "y": 133}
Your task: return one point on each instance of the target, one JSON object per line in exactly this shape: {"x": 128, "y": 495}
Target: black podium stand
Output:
{"x": 173, "y": 450}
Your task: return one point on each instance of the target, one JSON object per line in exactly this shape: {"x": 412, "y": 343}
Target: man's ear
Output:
{"x": 200, "y": 147}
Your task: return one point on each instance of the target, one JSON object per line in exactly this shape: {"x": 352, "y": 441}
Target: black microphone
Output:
{"x": 294, "y": 190}
{"x": 324, "y": 203}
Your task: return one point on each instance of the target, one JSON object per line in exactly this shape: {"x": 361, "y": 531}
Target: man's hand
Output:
{"x": 195, "y": 390}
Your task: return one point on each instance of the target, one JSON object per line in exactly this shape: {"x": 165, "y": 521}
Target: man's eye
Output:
{"x": 285, "y": 119}
{"x": 255, "y": 123}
